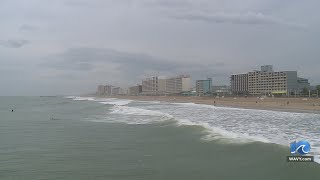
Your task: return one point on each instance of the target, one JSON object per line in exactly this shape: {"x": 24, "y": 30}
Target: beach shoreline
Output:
{"x": 300, "y": 105}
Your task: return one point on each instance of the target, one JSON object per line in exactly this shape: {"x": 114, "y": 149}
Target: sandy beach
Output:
{"x": 310, "y": 105}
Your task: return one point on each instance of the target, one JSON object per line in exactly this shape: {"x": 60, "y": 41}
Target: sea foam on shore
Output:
{"x": 232, "y": 125}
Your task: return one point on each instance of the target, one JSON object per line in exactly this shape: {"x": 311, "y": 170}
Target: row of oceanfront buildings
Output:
{"x": 263, "y": 82}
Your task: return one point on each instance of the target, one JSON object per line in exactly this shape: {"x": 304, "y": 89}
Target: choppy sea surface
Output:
{"x": 107, "y": 138}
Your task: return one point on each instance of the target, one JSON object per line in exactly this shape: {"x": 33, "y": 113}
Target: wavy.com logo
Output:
{"x": 302, "y": 147}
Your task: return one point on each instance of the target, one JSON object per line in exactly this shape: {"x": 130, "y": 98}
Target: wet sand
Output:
{"x": 309, "y": 105}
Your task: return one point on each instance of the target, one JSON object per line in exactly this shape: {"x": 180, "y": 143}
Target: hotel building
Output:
{"x": 135, "y": 90}
{"x": 267, "y": 82}
{"x": 153, "y": 86}
{"x": 177, "y": 85}
{"x": 204, "y": 87}
{"x": 173, "y": 85}
{"x": 104, "y": 90}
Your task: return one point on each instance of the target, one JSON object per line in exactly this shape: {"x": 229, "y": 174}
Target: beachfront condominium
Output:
{"x": 135, "y": 90}
{"x": 108, "y": 90}
{"x": 101, "y": 90}
{"x": 268, "y": 82}
{"x": 153, "y": 86}
{"x": 150, "y": 85}
{"x": 178, "y": 84}
{"x": 204, "y": 87}
{"x": 104, "y": 90}
{"x": 172, "y": 85}
{"x": 239, "y": 83}
{"x": 115, "y": 91}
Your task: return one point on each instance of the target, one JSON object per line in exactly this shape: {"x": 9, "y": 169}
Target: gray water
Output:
{"x": 59, "y": 138}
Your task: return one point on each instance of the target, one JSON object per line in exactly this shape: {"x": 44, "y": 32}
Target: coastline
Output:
{"x": 299, "y": 105}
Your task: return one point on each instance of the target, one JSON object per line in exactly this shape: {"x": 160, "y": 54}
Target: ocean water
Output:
{"x": 92, "y": 138}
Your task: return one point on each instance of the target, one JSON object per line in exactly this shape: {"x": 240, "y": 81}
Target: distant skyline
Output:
{"x": 71, "y": 46}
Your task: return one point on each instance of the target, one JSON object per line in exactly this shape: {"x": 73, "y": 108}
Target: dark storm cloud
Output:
{"x": 13, "y": 43}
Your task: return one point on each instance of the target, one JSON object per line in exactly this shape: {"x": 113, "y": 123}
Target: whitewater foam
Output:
{"x": 148, "y": 102}
{"x": 234, "y": 125}
{"x": 110, "y": 101}
{"x": 126, "y": 110}
{"x": 215, "y": 133}
{"x": 246, "y": 125}
{"x": 131, "y": 115}
{"x": 116, "y": 102}
{"x": 70, "y": 97}
{"x": 77, "y": 98}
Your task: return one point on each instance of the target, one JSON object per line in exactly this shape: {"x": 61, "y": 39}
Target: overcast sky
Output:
{"x": 70, "y": 46}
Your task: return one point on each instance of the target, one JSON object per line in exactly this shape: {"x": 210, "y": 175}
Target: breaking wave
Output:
{"x": 234, "y": 125}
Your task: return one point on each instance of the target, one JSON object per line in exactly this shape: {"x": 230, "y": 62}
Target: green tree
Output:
{"x": 318, "y": 88}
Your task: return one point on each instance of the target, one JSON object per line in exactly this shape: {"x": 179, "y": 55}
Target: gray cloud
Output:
{"x": 169, "y": 3}
{"x": 249, "y": 18}
{"x": 124, "y": 66}
{"x": 26, "y": 27}
{"x": 86, "y": 58}
{"x": 198, "y": 37}
{"x": 13, "y": 43}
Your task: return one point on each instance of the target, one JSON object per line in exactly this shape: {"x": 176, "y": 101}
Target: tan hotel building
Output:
{"x": 267, "y": 82}
{"x": 172, "y": 85}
